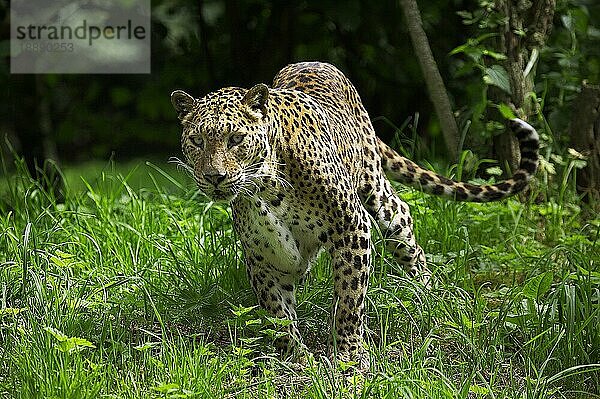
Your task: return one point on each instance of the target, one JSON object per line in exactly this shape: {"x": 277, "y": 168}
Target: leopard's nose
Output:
{"x": 215, "y": 178}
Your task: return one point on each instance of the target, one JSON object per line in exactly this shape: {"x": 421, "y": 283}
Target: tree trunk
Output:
{"x": 527, "y": 28}
{"x": 433, "y": 80}
{"x": 585, "y": 138}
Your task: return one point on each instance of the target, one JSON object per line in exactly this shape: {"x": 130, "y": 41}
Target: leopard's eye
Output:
{"x": 197, "y": 140}
{"x": 235, "y": 139}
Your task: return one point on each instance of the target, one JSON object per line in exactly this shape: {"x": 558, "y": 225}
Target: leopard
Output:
{"x": 303, "y": 171}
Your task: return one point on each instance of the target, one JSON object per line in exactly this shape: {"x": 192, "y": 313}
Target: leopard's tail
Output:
{"x": 407, "y": 172}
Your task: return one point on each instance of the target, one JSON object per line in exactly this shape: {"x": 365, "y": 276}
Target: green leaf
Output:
{"x": 460, "y": 49}
{"x": 240, "y": 311}
{"x": 580, "y": 21}
{"x": 250, "y": 340}
{"x": 575, "y": 154}
{"x": 59, "y": 335}
{"x": 506, "y": 111}
{"x": 81, "y": 342}
{"x": 65, "y": 260}
{"x": 512, "y": 320}
{"x": 239, "y": 351}
{"x": 269, "y": 332}
{"x": 157, "y": 363}
{"x": 593, "y": 33}
{"x": 497, "y": 76}
{"x": 12, "y": 311}
{"x": 478, "y": 390}
{"x": 253, "y": 322}
{"x": 465, "y": 14}
{"x": 345, "y": 366}
{"x": 145, "y": 346}
{"x": 166, "y": 388}
{"x": 583, "y": 273}
{"x": 68, "y": 344}
{"x": 494, "y": 55}
{"x": 547, "y": 166}
{"x": 494, "y": 170}
{"x": 579, "y": 164}
{"x": 538, "y": 285}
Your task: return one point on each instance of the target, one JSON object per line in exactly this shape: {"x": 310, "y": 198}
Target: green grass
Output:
{"x": 134, "y": 287}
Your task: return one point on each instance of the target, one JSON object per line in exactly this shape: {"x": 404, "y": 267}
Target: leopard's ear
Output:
{"x": 182, "y": 102}
{"x": 255, "y": 101}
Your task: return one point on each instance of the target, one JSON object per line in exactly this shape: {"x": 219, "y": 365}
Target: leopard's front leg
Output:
{"x": 276, "y": 294}
{"x": 274, "y": 265}
{"x": 351, "y": 258}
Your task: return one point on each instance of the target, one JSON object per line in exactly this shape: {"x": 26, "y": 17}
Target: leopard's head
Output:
{"x": 225, "y": 139}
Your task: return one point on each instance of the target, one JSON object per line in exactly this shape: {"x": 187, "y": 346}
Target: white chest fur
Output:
{"x": 286, "y": 239}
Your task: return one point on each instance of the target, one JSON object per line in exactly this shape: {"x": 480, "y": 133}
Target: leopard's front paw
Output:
{"x": 357, "y": 360}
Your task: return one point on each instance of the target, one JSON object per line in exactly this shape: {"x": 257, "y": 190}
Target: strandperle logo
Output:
{"x": 85, "y": 31}
{"x": 86, "y": 36}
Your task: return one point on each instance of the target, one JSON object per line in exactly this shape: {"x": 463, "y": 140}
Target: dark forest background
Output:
{"x": 201, "y": 46}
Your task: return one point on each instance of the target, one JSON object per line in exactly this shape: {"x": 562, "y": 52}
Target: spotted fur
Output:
{"x": 304, "y": 172}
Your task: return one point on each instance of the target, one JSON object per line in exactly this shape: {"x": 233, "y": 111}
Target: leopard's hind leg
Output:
{"x": 394, "y": 220}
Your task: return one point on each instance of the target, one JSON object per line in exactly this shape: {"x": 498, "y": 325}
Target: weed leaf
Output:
{"x": 497, "y": 76}
{"x": 68, "y": 344}
{"x": 538, "y": 285}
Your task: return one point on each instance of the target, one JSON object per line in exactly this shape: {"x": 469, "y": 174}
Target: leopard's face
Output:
{"x": 225, "y": 139}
